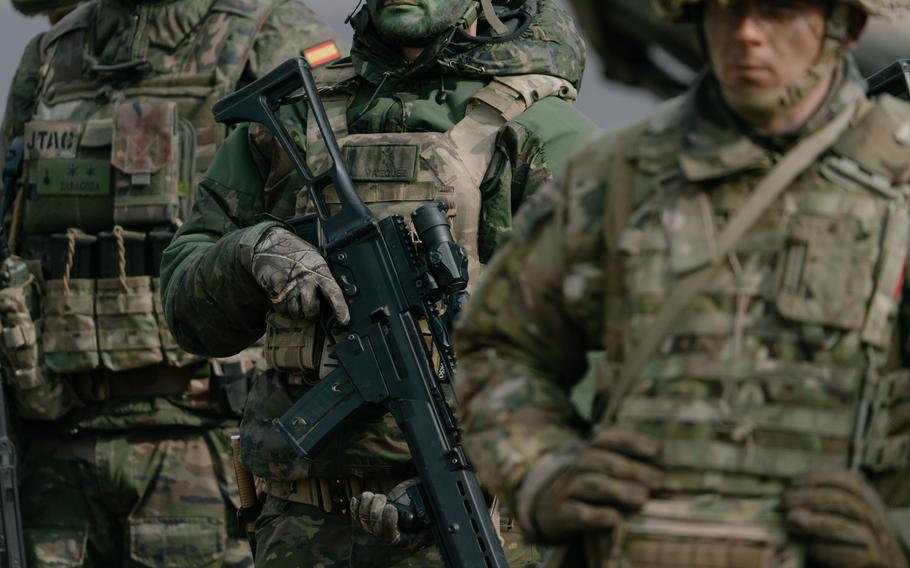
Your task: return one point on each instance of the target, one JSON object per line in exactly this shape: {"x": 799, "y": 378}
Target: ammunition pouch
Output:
{"x": 135, "y": 168}
{"x": 710, "y": 531}
{"x": 104, "y": 327}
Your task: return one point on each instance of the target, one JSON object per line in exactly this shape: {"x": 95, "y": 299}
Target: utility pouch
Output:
{"x": 69, "y": 336}
{"x": 68, "y": 175}
{"x": 19, "y": 336}
{"x": 291, "y": 344}
{"x": 127, "y": 329}
{"x": 711, "y": 531}
{"x": 173, "y": 354}
{"x": 145, "y": 157}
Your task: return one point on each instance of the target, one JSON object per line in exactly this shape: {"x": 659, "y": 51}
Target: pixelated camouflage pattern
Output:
{"x": 758, "y": 381}
{"x": 290, "y": 535}
{"x": 550, "y": 45}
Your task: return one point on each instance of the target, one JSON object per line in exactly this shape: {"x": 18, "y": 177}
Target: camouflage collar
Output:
{"x": 543, "y": 40}
{"x": 716, "y": 144}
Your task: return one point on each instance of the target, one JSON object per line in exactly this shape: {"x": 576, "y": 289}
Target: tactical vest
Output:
{"x": 393, "y": 173}
{"x": 112, "y": 155}
{"x": 782, "y": 364}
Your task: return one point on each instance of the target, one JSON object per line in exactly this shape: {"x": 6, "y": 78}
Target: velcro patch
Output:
{"x": 321, "y": 54}
{"x": 382, "y": 162}
{"x": 51, "y": 139}
{"x": 71, "y": 177}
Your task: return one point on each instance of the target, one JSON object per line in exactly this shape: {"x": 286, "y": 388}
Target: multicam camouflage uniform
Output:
{"x": 124, "y": 448}
{"x": 762, "y": 376}
{"x": 480, "y": 125}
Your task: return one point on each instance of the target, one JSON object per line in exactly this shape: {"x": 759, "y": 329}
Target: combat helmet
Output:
{"x": 47, "y": 7}
{"x": 681, "y": 10}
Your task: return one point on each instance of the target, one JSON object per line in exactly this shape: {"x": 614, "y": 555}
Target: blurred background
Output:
{"x": 608, "y": 104}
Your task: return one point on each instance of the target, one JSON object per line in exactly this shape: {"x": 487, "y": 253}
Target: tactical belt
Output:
{"x": 328, "y": 495}
{"x": 159, "y": 380}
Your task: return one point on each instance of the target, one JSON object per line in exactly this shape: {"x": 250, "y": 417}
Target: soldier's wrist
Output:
{"x": 250, "y": 238}
{"x": 538, "y": 477}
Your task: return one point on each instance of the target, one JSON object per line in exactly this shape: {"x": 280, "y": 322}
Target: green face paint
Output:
{"x": 414, "y": 23}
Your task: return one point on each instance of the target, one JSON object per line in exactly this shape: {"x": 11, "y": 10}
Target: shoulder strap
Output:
{"x": 244, "y": 19}
{"x": 514, "y": 94}
{"x": 616, "y": 214}
{"x": 62, "y": 48}
{"x": 766, "y": 192}
{"x": 502, "y": 100}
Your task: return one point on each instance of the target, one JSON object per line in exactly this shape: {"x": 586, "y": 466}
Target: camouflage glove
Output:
{"x": 377, "y": 516}
{"x": 562, "y": 497}
{"x": 291, "y": 270}
{"x": 843, "y": 521}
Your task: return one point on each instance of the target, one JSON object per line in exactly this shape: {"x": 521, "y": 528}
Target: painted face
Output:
{"x": 413, "y": 23}
{"x": 760, "y": 44}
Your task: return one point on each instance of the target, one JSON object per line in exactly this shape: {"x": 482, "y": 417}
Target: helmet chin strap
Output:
{"x": 489, "y": 14}
{"x": 758, "y": 106}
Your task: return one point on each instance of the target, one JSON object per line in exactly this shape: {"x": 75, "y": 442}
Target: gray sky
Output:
{"x": 608, "y": 104}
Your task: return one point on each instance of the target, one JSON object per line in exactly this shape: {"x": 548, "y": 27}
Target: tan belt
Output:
{"x": 158, "y": 380}
{"x": 328, "y": 495}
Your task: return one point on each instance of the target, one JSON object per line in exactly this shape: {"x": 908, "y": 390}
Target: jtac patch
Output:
{"x": 382, "y": 162}
{"x": 51, "y": 139}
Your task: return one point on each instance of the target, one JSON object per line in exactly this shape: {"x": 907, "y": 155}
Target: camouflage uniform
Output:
{"x": 761, "y": 377}
{"x": 386, "y": 109}
{"x": 125, "y": 458}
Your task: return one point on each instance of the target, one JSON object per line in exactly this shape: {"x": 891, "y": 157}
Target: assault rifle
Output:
{"x": 384, "y": 363}
{"x": 893, "y": 80}
{"x": 12, "y": 272}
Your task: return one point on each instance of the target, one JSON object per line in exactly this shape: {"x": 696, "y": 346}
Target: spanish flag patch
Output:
{"x": 321, "y": 54}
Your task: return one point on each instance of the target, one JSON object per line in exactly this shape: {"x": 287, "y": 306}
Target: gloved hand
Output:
{"x": 377, "y": 514}
{"x": 291, "y": 270}
{"x": 611, "y": 476}
{"x": 843, "y": 521}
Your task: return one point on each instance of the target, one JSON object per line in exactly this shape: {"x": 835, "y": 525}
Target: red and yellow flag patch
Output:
{"x": 321, "y": 54}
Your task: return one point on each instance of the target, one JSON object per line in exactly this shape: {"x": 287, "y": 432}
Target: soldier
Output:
{"x": 639, "y": 47}
{"x": 731, "y": 271}
{"x": 440, "y": 104}
{"x": 125, "y": 460}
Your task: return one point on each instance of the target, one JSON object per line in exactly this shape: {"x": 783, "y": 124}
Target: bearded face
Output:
{"x": 414, "y": 23}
